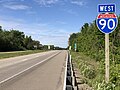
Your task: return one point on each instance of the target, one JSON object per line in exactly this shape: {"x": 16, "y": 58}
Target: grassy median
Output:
{"x": 18, "y": 53}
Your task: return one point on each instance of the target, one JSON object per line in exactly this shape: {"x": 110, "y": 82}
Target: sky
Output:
{"x": 50, "y": 21}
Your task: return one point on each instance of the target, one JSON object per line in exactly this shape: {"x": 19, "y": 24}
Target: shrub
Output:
{"x": 90, "y": 73}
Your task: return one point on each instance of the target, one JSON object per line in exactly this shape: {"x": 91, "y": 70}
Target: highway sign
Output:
{"x": 107, "y": 23}
{"x": 106, "y": 8}
{"x": 75, "y": 46}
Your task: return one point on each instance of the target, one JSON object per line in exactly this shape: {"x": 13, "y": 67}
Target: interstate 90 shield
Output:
{"x": 107, "y": 23}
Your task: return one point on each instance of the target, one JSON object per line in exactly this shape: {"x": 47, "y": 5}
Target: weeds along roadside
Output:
{"x": 93, "y": 72}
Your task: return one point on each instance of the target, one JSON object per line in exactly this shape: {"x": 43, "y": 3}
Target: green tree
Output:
{"x": 28, "y": 42}
{"x": 15, "y": 40}
{"x": 91, "y": 42}
{"x": 0, "y": 28}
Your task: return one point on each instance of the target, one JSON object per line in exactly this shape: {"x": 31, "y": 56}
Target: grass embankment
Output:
{"x": 18, "y": 53}
{"x": 94, "y": 72}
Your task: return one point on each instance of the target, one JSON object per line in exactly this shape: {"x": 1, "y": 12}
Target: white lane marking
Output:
{"x": 64, "y": 87}
{"x": 28, "y": 58}
{"x": 5, "y": 80}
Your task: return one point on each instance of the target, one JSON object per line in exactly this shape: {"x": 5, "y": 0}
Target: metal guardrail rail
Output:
{"x": 69, "y": 81}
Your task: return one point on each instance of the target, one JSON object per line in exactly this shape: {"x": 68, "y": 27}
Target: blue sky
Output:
{"x": 50, "y": 21}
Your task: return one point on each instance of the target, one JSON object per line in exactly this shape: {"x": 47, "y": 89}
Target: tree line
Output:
{"x": 91, "y": 41}
{"x": 15, "y": 40}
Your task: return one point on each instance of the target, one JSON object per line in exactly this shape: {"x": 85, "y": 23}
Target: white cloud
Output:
{"x": 14, "y": 6}
{"x": 43, "y": 32}
{"x": 29, "y": 12}
{"x": 70, "y": 11}
{"x": 9, "y": 22}
{"x": 46, "y": 2}
{"x": 47, "y": 35}
{"x": 78, "y": 2}
{"x": 61, "y": 22}
{"x": 2, "y": 1}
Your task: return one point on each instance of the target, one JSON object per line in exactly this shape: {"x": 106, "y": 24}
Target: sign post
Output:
{"x": 106, "y": 23}
{"x": 107, "y": 58}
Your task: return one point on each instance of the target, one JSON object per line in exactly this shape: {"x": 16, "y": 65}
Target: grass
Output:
{"x": 86, "y": 66}
{"x": 89, "y": 67}
{"x": 18, "y": 53}
{"x": 80, "y": 56}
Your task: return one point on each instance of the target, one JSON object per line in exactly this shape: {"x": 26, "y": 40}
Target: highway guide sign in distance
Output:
{"x": 106, "y": 23}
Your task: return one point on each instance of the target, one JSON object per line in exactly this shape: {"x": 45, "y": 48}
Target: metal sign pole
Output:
{"x": 107, "y": 58}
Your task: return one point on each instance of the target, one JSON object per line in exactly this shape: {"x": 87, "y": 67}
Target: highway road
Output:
{"x": 41, "y": 71}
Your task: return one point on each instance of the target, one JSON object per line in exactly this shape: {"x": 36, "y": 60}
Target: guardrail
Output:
{"x": 69, "y": 81}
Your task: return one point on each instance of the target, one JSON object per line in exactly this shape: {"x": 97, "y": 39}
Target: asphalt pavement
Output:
{"x": 41, "y": 71}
